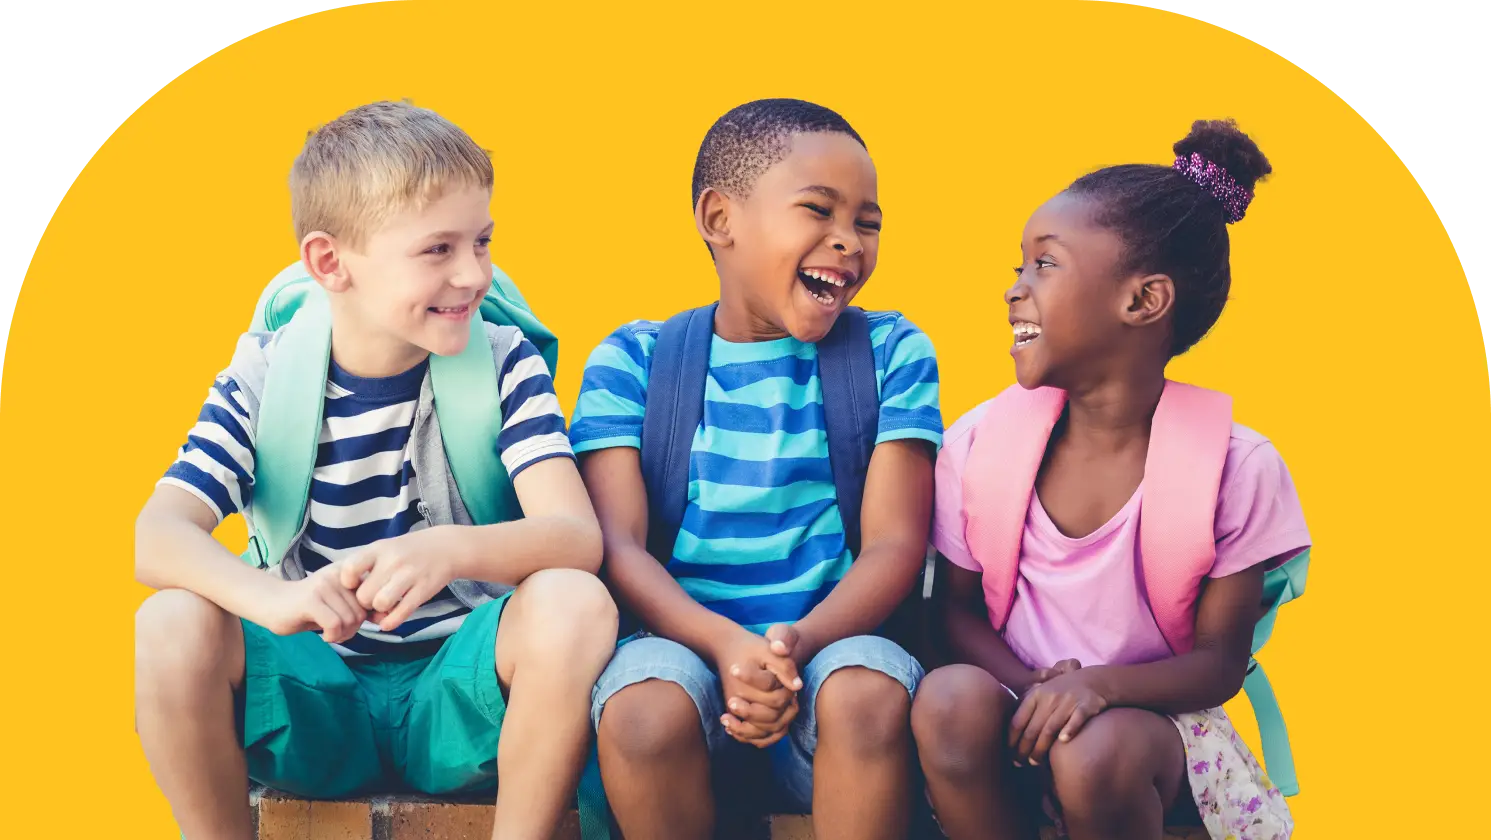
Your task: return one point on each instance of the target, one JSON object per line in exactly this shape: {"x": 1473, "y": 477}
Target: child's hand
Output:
{"x": 1053, "y": 711}
{"x": 319, "y": 602}
{"x": 1065, "y": 666}
{"x": 760, "y": 689}
{"x": 393, "y": 578}
{"x": 782, "y": 640}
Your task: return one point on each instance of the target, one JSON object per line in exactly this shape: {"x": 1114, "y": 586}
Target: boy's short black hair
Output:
{"x": 1172, "y": 226}
{"x": 752, "y": 137}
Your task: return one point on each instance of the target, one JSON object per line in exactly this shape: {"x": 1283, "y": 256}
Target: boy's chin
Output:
{"x": 444, "y": 345}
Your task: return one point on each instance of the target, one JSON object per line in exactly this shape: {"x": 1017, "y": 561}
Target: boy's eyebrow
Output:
{"x": 442, "y": 234}
{"x": 833, "y": 195}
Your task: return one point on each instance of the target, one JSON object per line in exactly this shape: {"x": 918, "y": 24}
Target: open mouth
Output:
{"x": 453, "y": 312}
{"x": 1025, "y": 333}
{"x": 826, "y": 285}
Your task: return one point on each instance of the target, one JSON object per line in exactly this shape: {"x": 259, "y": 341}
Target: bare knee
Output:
{"x": 565, "y": 615}
{"x": 865, "y": 709}
{"x": 183, "y": 639}
{"x": 650, "y": 723}
{"x": 960, "y": 719}
{"x": 1113, "y": 760}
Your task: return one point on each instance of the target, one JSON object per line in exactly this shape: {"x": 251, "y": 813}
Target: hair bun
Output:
{"x": 1224, "y": 144}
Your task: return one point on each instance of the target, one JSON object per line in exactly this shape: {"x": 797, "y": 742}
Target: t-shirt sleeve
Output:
{"x": 910, "y": 406}
{"x": 216, "y": 464}
{"x": 613, "y": 394}
{"x": 1259, "y": 517}
{"x": 532, "y": 421}
{"x": 949, "y": 525}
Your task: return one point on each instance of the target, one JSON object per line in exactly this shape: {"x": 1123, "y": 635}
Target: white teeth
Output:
{"x": 824, "y": 278}
{"x": 1025, "y": 331}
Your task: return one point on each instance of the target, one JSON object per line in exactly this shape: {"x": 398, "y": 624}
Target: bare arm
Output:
{"x": 558, "y": 530}
{"x": 895, "y": 516}
{"x": 958, "y": 595}
{"x": 174, "y": 549}
{"x": 641, "y": 584}
{"x": 1212, "y": 672}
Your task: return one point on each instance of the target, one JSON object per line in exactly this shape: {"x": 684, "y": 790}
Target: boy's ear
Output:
{"x": 321, "y": 254}
{"x": 712, "y": 218}
{"x": 1148, "y": 299}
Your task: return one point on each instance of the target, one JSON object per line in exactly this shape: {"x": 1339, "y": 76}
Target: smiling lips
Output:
{"x": 1025, "y": 333}
{"x": 825, "y": 285}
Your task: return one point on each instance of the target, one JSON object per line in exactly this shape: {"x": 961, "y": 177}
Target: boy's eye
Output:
{"x": 869, "y": 224}
{"x": 484, "y": 242}
{"x": 442, "y": 248}
{"x": 819, "y": 210}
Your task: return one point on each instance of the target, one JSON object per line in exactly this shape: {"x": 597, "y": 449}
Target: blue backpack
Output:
{"x": 467, "y": 402}
{"x": 675, "y": 408}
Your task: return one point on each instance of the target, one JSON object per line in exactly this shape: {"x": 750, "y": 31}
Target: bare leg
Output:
{"x": 862, "y": 768}
{"x": 961, "y": 719}
{"x": 655, "y": 763}
{"x": 1119, "y": 776}
{"x": 188, "y": 664}
{"x": 556, "y": 635}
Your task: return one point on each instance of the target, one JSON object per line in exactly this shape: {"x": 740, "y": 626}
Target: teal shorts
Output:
{"x": 322, "y": 726}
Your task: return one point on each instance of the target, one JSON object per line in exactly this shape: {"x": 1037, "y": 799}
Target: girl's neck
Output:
{"x": 1114, "y": 412}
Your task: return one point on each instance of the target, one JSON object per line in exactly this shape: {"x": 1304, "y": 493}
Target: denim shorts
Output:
{"x": 644, "y": 657}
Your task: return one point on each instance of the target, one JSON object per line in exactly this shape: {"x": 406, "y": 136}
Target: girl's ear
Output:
{"x": 1148, "y": 299}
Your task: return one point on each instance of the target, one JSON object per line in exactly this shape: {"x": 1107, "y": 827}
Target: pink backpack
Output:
{"x": 1182, "y": 478}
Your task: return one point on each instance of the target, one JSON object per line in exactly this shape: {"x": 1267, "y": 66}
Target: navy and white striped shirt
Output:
{"x": 364, "y": 488}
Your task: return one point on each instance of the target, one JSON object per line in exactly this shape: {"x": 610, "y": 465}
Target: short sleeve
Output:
{"x": 910, "y": 406}
{"x": 1259, "y": 517}
{"x": 613, "y": 391}
{"x": 949, "y": 524}
{"x": 532, "y": 421}
{"x": 216, "y": 464}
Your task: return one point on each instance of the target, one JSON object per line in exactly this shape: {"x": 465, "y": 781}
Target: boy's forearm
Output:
{"x": 972, "y": 640}
{"x": 508, "y": 552}
{"x": 178, "y": 554}
{"x": 876, "y": 584}
{"x": 1191, "y": 682}
{"x": 644, "y": 587}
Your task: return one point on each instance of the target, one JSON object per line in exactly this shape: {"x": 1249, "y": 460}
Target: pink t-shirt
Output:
{"x": 1084, "y": 598}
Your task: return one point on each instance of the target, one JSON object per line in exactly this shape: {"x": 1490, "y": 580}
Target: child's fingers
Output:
{"x": 754, "y": 676}
{"x": 1047, "y": 737}
{"x": 393, "y": 592}
{"x": 412, "y": 600}
{"x": 743, "y": 731}
{"x": 1026, "y": 736}
{"x": 356, "y": 568}
{"x": 733, "y": 688}
{"x": 782, "y": 639}
{"x": 785, "y": 670}
{"x": 757, "y": 713}
{"x": 1074, "y": 724}
{"x": 1022, "y": 718}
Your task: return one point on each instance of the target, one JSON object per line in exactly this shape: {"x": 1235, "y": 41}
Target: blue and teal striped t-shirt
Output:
{"x": 762, "y": 541}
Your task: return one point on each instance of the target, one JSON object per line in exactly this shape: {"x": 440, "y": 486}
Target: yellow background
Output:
{"x": 1351, "y": 340}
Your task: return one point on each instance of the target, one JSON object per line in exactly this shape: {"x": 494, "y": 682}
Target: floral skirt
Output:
{"x": 1233, "y": 794}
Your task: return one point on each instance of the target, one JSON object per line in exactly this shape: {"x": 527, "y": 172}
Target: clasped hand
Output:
{"x": 759, "y": 680}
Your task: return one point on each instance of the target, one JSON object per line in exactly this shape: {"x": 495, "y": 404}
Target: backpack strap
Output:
{"x": 1008, "y": 447}
{"x": 675, "y": 406}
{"x": 1182, "y": 477}
{"x": 468, "y": 405}
{"x": 287, "y": 430}
{"x": 851, "y": 412}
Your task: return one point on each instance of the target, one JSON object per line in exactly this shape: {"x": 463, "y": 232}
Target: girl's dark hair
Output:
{"x": 1172, "y": 225}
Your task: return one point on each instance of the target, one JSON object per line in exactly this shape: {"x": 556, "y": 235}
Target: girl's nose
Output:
{"x": 1016, "y": 293}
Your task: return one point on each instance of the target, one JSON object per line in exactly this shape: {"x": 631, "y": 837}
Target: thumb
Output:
{"x": 783, "y": 639}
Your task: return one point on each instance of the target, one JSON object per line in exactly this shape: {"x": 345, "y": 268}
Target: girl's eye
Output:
{"x": 1042, "y": 262}
{"x": 818, "y": 210}
{"x": 440, "y": 249}
{"x": 1019, "y": 270}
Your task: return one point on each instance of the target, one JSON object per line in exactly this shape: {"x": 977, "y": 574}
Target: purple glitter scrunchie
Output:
{"x": 1215, "y": 180}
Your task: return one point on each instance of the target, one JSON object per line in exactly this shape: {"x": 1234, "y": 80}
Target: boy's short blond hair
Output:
{"x": 377, "y": 160}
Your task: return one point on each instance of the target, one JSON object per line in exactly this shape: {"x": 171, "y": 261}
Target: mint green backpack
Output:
{"x": 467, "y": 402}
